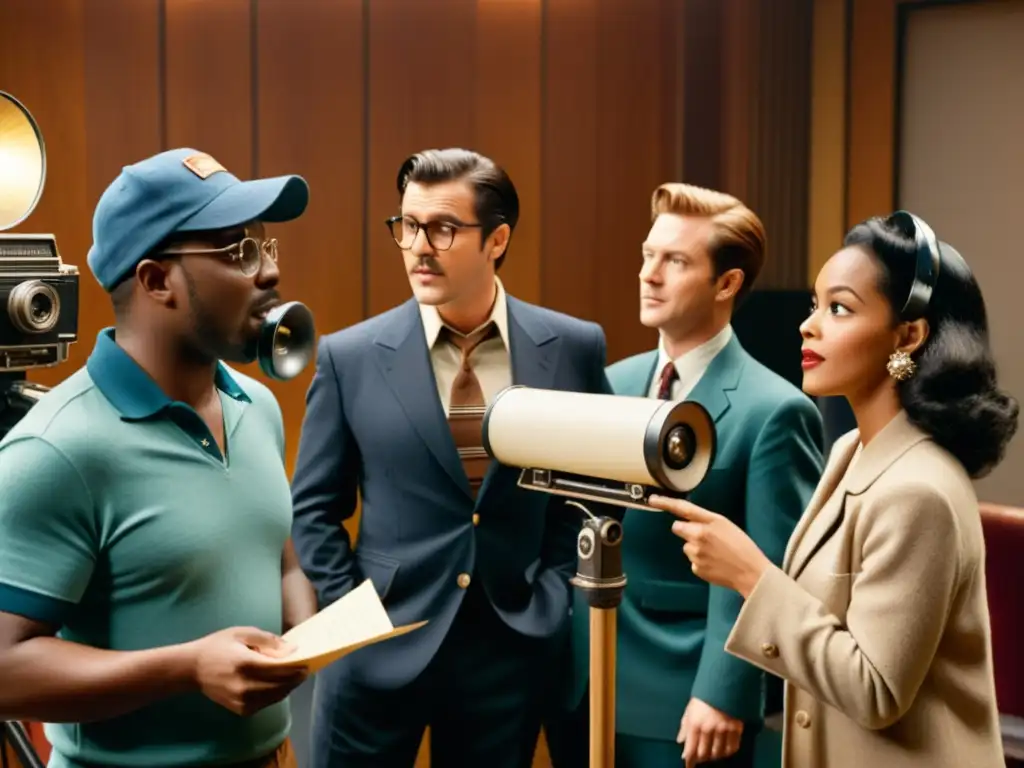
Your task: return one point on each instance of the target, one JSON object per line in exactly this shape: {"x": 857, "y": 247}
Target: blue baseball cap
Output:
{"x": 180, "y": 190}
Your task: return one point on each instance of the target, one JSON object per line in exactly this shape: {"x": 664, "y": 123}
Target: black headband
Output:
{"x": 928, "y": 259}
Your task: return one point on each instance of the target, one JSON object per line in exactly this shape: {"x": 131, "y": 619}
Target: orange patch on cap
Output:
{"x": 202, "y": 165}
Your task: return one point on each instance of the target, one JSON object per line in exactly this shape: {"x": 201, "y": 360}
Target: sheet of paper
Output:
{"x": 353, "y": 621}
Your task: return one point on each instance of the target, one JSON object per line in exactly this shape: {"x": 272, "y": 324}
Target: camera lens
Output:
{"x": 680, "y": 446}
{"x": 612, "y": 532}
{"x": 33, "y": 307}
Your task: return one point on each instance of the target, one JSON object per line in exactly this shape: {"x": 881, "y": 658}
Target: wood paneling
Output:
{"x": 42, "y": 64}
{"x": 508, "y": 82}
{"x": 208, "y": 80}
{"x": 570, "y": 92}
{"x": 826, "y": 212}
{"x": 303, "y": 127}
{"x": 421, "y": 93}
{"x": 633, "y": 64}
{"x": 746, "y": 108}
{"x": 854, "y": 75}
{"x": 778, "y": 173}
{"x": 872, "y": 105}
{"x": 589, "y": 104}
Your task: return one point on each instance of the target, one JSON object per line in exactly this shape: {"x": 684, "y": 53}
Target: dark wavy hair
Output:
{"x": 954, "y": 395}
{"x": 496, "y": 201}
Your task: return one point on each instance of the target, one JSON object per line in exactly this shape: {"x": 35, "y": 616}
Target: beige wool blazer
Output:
{"x": 878, "y": 619}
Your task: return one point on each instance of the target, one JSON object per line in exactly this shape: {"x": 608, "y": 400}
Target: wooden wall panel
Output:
{"x": 826, "y": 208}
{"x": 508, "y": 82}
{"x": 208, "y": 82}
{"x": 123, "y": 109}
{"x": 317, "y": 133}
{"x": 570, "y": 228}
{"x": 781, "y": 119}
{"x": 631, "y": 163}
{"x": 421, "y": 93}
{"x": 738, "y": 58}
{"x": 589, "y": 104}
{"x": 704, "y": 89}
{"x": 41, "y": 44}
{"x": 872, "y": 104}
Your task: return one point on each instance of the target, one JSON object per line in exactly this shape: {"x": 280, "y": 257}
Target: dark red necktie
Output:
{"x": 669, "y": 374}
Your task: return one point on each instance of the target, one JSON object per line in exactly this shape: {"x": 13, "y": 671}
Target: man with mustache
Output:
{"x": 394, "y": 417}
{"x": 675, "y": 681}
{"x": 146, "y": 570}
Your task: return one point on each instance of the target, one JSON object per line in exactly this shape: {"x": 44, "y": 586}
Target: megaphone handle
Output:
{"x": 602, "y": 686}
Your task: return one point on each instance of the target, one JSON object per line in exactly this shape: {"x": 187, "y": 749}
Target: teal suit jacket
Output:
{"x": 672, "y": 626}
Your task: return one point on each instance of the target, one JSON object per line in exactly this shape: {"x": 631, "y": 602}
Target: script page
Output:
{"x": 353, "y": 621}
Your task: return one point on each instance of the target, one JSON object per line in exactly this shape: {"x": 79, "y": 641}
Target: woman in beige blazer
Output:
{"x": 878, "y": 620}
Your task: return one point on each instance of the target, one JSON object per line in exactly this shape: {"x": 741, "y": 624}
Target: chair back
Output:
{"x": 1004, "y": 570}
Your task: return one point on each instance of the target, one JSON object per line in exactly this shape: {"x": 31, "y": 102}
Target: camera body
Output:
{"x": 599, "y": 562}
{"x": 39, "y": 297}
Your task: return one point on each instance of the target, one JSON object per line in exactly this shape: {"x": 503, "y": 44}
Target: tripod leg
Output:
{"x": 602, "y": 687}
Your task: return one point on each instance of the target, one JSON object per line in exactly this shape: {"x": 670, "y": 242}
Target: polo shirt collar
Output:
{"x": 131, "y": 390}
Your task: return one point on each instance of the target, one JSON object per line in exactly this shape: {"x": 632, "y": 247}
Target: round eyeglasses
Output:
{"x": 248, "y": 253}
{"x": 440, "y": 234}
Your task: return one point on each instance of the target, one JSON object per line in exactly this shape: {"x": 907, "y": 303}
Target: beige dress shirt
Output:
{"x": 491, "y": 362}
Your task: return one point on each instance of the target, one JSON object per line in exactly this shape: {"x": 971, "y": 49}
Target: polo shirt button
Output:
{"x": 476, "y": 518}
{"x": 770, "y": 650}
{"x": 803, "y": 719}
{"x": 464, "y": 580}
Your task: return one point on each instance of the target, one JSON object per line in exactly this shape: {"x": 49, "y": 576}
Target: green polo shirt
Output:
{"x": 121, "y": 522}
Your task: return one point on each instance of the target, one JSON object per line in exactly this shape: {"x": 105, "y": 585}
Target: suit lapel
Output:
{"x": 404, "y": 361}
{"x": 534, "y": 346}
{"x": 721, "y": 377}
{"x": 640, "y": 386}
{"x": 798, "y": 552}
{"x": 534, "y": 349}
{"x": 877, "y": 456}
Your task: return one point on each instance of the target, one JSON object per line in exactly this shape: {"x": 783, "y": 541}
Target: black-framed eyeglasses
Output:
{"x": 248, "y": 253}
{"x": 440, "y": 234}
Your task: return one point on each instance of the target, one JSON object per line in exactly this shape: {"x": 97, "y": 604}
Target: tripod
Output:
{"x": 17, "y": 396}
{"x": 15, "y": 742}
{"x": 600, "y": 578}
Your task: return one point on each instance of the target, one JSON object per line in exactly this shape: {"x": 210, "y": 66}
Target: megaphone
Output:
{"x": 610, "y": 449}
{"x": 287, "y": 341}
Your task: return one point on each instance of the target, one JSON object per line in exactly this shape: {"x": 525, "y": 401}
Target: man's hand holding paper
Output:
{"x": 351, "y": 622}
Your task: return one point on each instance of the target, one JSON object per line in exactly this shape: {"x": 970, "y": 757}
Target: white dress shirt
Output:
{"x": 690, "y": 366}
{"x": 490, "y": 360}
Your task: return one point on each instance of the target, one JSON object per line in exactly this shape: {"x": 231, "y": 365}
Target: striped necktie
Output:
{"x": 467, "y": 407}
{"x": 668, "y": 375}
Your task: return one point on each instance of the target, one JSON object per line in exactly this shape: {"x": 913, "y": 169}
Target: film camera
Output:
{"x": 38, "y": 291}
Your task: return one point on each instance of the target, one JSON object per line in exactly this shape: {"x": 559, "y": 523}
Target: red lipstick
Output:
{"x": 810, "y": 359}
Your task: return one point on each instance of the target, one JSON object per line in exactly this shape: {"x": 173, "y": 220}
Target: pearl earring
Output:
{"x": 900, "y": 366}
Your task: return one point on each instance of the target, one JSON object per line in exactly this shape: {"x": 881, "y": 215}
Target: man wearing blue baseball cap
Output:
{"x": 146, "y": 570}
